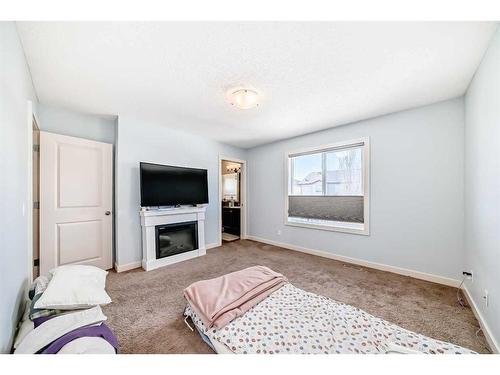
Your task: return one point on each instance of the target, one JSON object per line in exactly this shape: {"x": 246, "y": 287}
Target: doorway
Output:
{"x": 232, "y": 199}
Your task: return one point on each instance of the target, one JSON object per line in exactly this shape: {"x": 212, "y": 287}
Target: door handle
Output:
{"x": 107, "y": 213}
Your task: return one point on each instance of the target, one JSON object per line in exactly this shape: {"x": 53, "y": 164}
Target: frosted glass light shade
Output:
{"x": 244, "y": 98}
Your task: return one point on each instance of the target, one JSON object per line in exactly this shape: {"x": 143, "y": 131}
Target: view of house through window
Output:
{"x": 342, "y": 170}
{"x": 327, "y": 187}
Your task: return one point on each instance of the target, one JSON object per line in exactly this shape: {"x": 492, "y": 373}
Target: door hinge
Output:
{"x": 36, "y": 148}
{"x": 36, "y": 262}
{"x": 36, "y": 205}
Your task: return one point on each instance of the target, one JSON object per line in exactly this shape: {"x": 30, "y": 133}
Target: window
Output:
{"x": 328, "y": 187}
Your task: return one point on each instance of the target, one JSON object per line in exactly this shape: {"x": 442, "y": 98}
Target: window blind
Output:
{"x": 333, "y": 208}
{"x": 319, "y": 151}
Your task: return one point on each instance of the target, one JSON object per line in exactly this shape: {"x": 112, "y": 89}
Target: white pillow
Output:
{"x": 74, "y": 287}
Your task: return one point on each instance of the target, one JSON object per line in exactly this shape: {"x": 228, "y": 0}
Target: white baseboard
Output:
{"x": 212, "y": 245}
{"x": 492, "y": 342}
{"x": 127, "y": 267}
{"x": 360, "y": 262}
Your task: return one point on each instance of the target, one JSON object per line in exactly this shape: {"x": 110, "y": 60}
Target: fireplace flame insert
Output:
{"x": 178, "y": 238}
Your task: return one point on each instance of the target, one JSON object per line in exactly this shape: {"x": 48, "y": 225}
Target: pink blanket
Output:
{"x": 218, "y": 301}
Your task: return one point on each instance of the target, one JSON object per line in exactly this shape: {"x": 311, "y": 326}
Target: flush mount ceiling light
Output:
{"x": 243, "y": 98}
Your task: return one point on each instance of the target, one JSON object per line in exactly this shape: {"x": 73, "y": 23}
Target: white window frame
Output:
{"x": 363, "y": 229}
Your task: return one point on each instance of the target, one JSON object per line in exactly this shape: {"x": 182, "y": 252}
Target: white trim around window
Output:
{"x": 336, "y": 226}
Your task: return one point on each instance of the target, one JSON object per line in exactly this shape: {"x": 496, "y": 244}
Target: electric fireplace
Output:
{"x": 176, "y": 238}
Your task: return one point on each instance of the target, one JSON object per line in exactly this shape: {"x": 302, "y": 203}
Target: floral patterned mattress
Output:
{"x": 294, "y": 321}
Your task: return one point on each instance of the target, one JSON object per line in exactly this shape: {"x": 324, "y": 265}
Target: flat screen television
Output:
{"x": 166, "y": 185}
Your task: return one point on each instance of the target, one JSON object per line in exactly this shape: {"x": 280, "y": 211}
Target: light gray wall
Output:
{"x": 157, "y": 143}
{"x": 81, "y": 125}
{"x": 482, "y": 185}
{"x": 417, "y": 205}
{"x": 15, "y": 90}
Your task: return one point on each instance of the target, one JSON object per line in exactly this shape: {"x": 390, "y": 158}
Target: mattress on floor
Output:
{"x": 294, "y": 321}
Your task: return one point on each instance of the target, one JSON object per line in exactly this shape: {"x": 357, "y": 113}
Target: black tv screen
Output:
{"x": 165, "y": 185}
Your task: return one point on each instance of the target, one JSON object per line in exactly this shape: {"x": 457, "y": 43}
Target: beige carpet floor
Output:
{"x": 146, "y": 313}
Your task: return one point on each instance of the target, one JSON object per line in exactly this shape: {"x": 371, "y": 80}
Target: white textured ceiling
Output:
{"x": 311, "y": 76}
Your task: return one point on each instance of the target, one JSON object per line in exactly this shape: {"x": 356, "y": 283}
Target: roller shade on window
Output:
{"x": 334, "y": 208}
{"x": 320, "y": 151}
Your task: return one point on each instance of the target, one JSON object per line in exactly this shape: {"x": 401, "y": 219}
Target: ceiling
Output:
{"x": 310, "y": 76}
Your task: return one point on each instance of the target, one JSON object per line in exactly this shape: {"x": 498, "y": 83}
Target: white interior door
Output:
{"x": 75, "y": 202}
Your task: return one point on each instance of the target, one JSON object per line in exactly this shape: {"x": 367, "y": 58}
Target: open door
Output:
{"x": 75, "y": 202}
{"x": 232, "y": 199}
